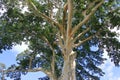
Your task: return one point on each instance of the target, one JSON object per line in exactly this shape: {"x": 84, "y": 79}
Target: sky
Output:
{"x": 8, "y": 58}
{"x": 111, "y": 72}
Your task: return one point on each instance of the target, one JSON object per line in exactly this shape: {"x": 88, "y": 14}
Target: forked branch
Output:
{"x": 87, "y": 17}
{"x": 65, "y": 8}
{"x": 69, "y": 22}
{"x": 87, "y": 39}
{"x": 88, "y": 7}
{"x": 79, "y": 35}
{"x": 81, "y": 42}
{"x": 39, "y": 14}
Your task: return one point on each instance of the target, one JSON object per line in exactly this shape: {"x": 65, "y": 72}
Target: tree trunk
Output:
{"x": 69, "y": 66}
{"x": 52, "y": 77}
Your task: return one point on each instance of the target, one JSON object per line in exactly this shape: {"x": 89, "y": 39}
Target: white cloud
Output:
{"x": 20, "y": 48}
{"x": 118, "y": 78}
{"x": 111, "y": 72}
{"x": 117, "y": 31}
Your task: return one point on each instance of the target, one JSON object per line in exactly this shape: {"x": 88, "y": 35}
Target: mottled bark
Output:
{"x": 68, "y": 72}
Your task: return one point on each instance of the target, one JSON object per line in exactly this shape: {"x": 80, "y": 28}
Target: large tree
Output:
{"x": 60, "y": 34}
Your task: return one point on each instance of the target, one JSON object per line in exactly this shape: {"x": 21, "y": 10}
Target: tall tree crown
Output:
{"x": 51, "y": 25}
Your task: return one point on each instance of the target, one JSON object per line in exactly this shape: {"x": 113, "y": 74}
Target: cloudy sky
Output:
{"x": 112, "y": 72}
{"x": 8, "y": 58}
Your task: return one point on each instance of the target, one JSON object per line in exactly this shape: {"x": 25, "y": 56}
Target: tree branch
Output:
{"x": 65, "y": 8}
{"x": 87, "y": 17}
{"x": 89, "y": 6}
{"x": 64, "y": 14}
{"x": 87, "y": 39}
{"x": 39, "y": 14}
{"x": 78, "y": 44}
{"x": 70, "y": 13}
{"x": 69, "y": 22}
{"x": 38, "y": 69}
{"x": 79, "y": 35}
{"x": 30, "y": 62}
{"x": 29, "y": 70}
{"x": 53, "y": 57}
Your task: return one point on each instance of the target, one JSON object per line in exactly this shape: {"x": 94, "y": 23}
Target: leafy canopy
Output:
{"x": 41, "y": 34}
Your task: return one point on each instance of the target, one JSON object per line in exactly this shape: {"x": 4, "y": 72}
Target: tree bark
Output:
{"x": 69, "y": 66}
{"x": 53, "y": 77}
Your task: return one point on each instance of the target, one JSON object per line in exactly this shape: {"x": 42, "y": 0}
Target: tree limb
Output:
{"x": 69, "y": 22}
{"x": 53, "y": 57}
{"x": 30, "y": 62}
{"x": 39, "y": 14}
{"x": 89, "y": 6}
{"x": 65, "y": 8}
{"x": 70, "y": 13}
{"x": 64, "y": 13}
{"x": 87, "y": 39}
{"x": 87, "y": 17}
{"x": 78, "y": 44}
{"x": 29, "y": 70}
{"x": 79, "y": 35}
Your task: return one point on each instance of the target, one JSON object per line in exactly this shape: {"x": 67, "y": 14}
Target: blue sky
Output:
{"x": 111, "y": 72}
{"x": 8, "y": 57}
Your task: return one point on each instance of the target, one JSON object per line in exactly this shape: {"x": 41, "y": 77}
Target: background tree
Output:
{"x": 60, "y": 35}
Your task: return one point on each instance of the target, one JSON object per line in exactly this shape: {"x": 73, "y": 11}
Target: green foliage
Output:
{"x": 17, "y": 27}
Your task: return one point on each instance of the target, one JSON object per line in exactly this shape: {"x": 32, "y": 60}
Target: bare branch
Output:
{"x": 61, "y": 43}
{"x": 79, "y": 35}
{"x": 65, "y": 8}
{"x": 69, "y": 22}
{"x": 38, "y": 69}
{"x": 70, "y": 13}
{"x": 30, "y": 62}
{"x": 53, "y": 64}
{"x": 64, "y": 13}
{"x": 53, "y": 57}
{"x": 46, "y": 40}
{"x": 39, "y": 14}
{"x": 30, "y": 70}
{"x": 78, "y": 44}
{"x": 87, "y": 17}
{"x": 89, "y": 6}
{"x": 87, "y": 39}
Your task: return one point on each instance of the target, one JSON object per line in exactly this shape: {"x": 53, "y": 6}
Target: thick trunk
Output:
{"x": 53, "y": 77}
{"x": 68, "y": 72}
